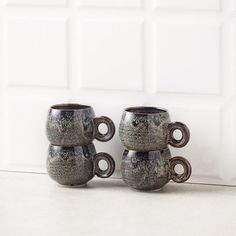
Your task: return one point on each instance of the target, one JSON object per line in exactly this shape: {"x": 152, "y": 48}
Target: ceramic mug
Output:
{"x": 152, "y": 170}
{"x": 76, "y": 125}
{"x": 149, "y": 129}
{"x": 77, "y": 165}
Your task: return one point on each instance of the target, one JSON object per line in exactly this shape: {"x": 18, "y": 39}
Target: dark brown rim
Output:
{"x": 156, "y": 109}
{"x": 58, "y": 147}
{"x": 70, "y": 106}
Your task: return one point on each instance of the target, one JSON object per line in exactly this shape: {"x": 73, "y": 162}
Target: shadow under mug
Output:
{"x": 77, "y": 165}
{"x": 150, "y": 129}
{"x": 152, "y": 170}
{"x": 76, "y": 125}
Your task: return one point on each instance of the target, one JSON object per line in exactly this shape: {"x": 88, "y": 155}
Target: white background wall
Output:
{"x": 177, "y": 54}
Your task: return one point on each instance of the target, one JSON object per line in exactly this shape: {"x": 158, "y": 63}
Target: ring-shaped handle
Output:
{"x": 184, "y": 131}
{"x": 110, "y": 165}
{"x": 180, "y": 178}
{"x": 110, "y": 128}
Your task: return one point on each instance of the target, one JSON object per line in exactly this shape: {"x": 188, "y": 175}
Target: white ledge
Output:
{"x": 32, "y": 204}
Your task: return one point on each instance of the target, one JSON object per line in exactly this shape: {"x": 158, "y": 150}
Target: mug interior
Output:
{"x": 70, "y": 106}
{"x": 145, "y": 110}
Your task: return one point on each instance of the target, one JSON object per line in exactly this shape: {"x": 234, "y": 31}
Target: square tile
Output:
{"x": 229, "y": 151}
{"x": 109, "y": 3}
{"x": 37, "y": 51}
{"x": 188, "y": 57}
{"x": 111, "y": 54}
{"x": 26, "y": 129}
{"x": 3, "y": 128}
{"x": 186, "y": 4}
{"x": 37, "y": 2}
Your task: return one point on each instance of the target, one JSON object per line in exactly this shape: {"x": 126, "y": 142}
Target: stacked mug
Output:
{"x": 147, "y": 163}
{"x": 72, "y": 157}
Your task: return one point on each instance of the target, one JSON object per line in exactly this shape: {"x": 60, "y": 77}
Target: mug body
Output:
{"x": 71, "y": 165}
{"x": 144, "y": 128}
{"x": 70, "y": 125}
{"x": 146, "y": 170}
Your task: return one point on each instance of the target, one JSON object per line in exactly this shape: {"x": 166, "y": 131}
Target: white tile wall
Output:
{"x": 111, "y": 52}
{"x": 109, "y": 3}
{"x": 36, "y": 2}
{"x": 24, "y": 146}
{"x": 197, "y": 68}
{"x": 176, "y": 54}
{"x": 37, "y": 51}
{"x": 186, "y": 4}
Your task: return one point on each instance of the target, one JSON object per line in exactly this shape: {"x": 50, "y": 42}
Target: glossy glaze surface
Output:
{"x": 146, "y": 170}
{"x": 76, "y": 125}
{"x": 149, "y": 129}
{"x": 70, "y": 125}
{"x": 71, "y": 165}
{"x": 152, "y": 170}
{"x": 144, "y": 129}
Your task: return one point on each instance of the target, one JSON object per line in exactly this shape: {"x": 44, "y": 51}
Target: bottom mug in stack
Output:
{"x": 77, "y": 165}
{"x": 152, "y": 170}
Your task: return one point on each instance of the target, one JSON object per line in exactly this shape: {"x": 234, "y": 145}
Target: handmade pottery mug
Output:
{"x": 76, "y": 125}
{"x": 152, "y": 170}
{"x": 77, "y": 165}
{"x": 149, "y": 129}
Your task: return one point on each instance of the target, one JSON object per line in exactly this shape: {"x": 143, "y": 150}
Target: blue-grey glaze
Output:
{"x": 152, "y": 170}
{"x": 146, "y": 170}
{"x": 77, "y": 165}
{"x": 75, "y": 125}
{"x": 149, "y": 129}
{"x": 71, "y": 165}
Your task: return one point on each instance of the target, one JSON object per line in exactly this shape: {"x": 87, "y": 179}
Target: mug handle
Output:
{"x": 110, "y": 128}
{"x": 180, "y": 178}
{"x": 110, "y": 162}
{"x": 185, "y": 134}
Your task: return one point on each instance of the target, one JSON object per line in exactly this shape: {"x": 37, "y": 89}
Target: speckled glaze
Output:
{"x": 149, "y": 129}
{"x": 77, "y": 165}
{"x": 76, "y": 125}
{"x": 152, "y": 170}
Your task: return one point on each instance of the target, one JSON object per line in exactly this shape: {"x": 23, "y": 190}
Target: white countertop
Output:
{"x": 32, "y": 204}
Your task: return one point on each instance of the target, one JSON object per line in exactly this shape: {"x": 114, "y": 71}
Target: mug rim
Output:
{"x": 70, "y": 107}
{"x": 66, "y": 148}
{"x": 152, "y": 110}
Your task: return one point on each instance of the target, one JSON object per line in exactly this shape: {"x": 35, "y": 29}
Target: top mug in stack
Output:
{"x": 76, "y": 125}
{"x": 149, "y": 128}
